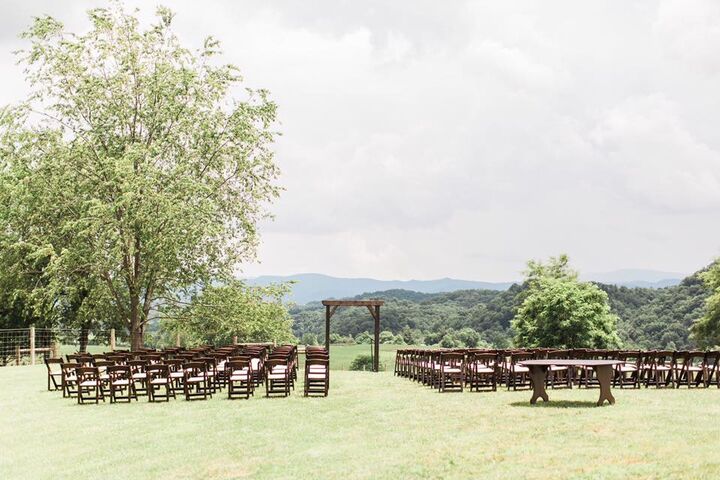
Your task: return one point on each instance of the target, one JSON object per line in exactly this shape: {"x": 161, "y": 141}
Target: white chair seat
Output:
{"x": 316, "y": 376}
{"x": 159, "y": 381}
{"x": 485, "y": 370}
{"x": 177, "y": 374}
{"x": 88, "y": 383}
{"x": 121, "y": 382}
{"x": 276, "y": 376}
{"x": 519, "y": 369}
{"x": 196, "y": 379}
{"x": 451, "y": 370}
{"x": 139, "y": 376}
{"x": 241, "y": 377}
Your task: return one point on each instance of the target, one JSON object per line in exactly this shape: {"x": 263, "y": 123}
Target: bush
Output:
{"x": 309, "y": 339}
{"x": 387, "y": 336}
{"x": 364, "y": 362}
{"x": 364, "y": 337}
{"x": 450, "y": 340}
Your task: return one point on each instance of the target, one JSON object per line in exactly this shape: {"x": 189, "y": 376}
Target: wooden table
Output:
{"x": 603, "y": 369}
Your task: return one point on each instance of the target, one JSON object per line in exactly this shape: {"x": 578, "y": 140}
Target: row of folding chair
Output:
{"x": 477, "y": 369}
{"x": 317, "y": 371}
{"x": 196, "y": 373}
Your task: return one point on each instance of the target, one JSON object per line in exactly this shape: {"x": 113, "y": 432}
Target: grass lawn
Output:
{"x": 371, "y": 426}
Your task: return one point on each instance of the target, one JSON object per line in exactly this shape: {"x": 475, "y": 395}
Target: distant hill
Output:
{"x": 312, "y": 287}
{"x": 636, "y": 278}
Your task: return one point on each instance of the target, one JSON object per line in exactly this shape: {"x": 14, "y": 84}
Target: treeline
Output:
{"x": 648, "y": 318}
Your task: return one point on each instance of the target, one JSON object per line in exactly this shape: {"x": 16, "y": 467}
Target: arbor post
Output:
{"x": 327, "y": 327}
{"x": 376, "y": 359}
{"x": 177, "y": 340}
{"x": 235, "y": 340}
{"x": 32, "y": 345}
{"x": 112, "y": 339}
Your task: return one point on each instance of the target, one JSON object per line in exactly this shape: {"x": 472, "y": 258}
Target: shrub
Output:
{"x": 364, "y": 337}
{"x": 364, "y": 362}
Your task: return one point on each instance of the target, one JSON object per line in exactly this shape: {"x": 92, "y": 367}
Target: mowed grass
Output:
{"x": 371, "y": 426}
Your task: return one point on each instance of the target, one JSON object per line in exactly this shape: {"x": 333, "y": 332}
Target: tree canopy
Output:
{"x": 707, "y": 329}
{"x": 137, "y": 168}
{"x": 559, "y": 311}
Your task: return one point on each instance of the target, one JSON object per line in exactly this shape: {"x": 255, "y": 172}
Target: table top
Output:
{"x": 569, "y": 362}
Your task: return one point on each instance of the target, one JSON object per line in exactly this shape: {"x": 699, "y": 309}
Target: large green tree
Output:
{"x": 706, "y": 331}
{"x": 560, "y": 311}
{"x": 136, "y": 168}
{"x": 217, "y": 313}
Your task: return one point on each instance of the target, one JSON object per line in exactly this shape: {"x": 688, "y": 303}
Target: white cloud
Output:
{"x": 423, "y": 139}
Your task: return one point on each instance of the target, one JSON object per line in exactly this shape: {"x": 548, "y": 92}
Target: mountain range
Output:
{"x": 311, "y": 287}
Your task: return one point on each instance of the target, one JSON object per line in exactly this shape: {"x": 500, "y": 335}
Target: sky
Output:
{"x": 425, "y": 139}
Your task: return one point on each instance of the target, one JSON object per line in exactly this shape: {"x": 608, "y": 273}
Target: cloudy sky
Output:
{"x": 426, "y": 139}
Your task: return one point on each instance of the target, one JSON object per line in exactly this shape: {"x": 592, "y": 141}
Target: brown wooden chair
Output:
{"x": 689, "y": 368}
{"x": 627, "y": 373}
{"x": 68, "y": 377}
{"x": 54, "y": 373}
{"x": 712, "y": 367}
{"x": 89, "y": 386}
{"x": 139, "y": 376}
{"x": 277, "y": 377}
{"x": 317, "y": 375}
{"x": 121, "y": 383}
{"x": 518, "y": 375}
{"x": 452, "y": 371}
{"x": 659, "y": 368}
{"x": 558, "y": 376}
{"x": 195, "y": 381}
{"x": 158, "y": 376}
{"x": 481, "y": 369}
{"x": 239, "y": 378}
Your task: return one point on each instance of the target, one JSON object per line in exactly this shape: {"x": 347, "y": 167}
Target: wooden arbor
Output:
{"x": 373, "y": 306}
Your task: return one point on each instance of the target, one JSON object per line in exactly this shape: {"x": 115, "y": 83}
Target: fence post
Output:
{"x": 112, "y": 339}
{"x": 32, "y": 345}
{"x": 235, "y": 340}
{"x": 55, "y": 349}
{"x": 177, "y": 340}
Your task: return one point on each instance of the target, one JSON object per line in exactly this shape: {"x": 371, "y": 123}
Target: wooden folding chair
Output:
{"x": 239, "y": 378}
{"x": 139, "y": 376}
{"x": 89, "y": 386}
{"x": 277, "y": 377}
{"x": 54, "y": 373}
{"x": 158, "y": 376}
{"x": 121, "y": 383}
{"x": 196, "y": 382}
{"x": 689, "y": 368}
{"x": 558, "y": 376}
{"x": 452, "y": 371}
{"x": 68, "y": 377}
{"x": 481, "y": 369}
{"x": 659, "y": 369}
{"x": 627, "y": 373}
{"x": 317, "y": 375}
{"x": 518, "y": 375}
{"x": 712, "y": 367}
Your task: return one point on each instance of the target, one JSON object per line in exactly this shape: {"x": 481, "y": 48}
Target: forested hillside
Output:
{"x": 648, "y": 318}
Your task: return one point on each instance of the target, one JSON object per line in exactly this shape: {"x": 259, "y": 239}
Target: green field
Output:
{"x": 371, "y": 426}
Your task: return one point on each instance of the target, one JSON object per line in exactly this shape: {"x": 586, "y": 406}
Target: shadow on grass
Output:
{"x": 557, "y": 404}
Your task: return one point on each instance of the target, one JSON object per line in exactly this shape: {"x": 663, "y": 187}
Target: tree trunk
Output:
{"x": 83, "y": 340}
{"x": 136, "y": 328}
{"x": 137, "y": 340}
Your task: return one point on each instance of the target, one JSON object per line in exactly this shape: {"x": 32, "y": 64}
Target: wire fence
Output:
{"x": 28, "y": 346}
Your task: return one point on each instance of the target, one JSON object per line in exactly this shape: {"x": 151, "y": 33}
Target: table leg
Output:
{"x": 537, "y": 376}
{"x": 604, "y": 376}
